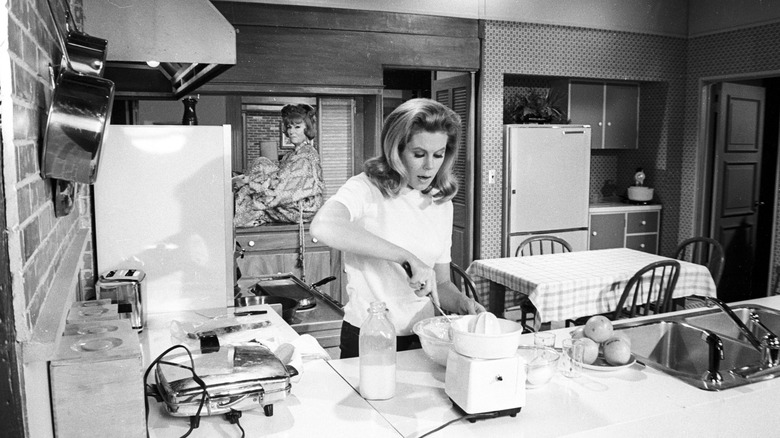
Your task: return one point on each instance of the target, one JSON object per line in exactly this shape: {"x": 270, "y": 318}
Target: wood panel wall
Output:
{"x": 289, "y": 48}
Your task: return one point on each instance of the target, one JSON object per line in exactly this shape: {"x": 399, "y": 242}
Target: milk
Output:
{"x": 377, "y": 382}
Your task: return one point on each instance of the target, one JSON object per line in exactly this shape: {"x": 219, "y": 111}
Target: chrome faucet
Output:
{"x": 769, "y": 346}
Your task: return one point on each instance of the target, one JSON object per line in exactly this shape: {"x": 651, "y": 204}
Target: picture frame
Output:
{"x": 284, "y": 142}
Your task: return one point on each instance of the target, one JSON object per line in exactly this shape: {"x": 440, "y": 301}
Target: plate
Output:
{"x": 601, "y": 365}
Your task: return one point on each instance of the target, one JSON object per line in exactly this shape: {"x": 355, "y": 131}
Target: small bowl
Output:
{"x": 486, "y": 346}
{"x": 541, "y": 364}
{"x": 434, "y": 334}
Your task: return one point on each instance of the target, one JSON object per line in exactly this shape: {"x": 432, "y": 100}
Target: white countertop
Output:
{"x": 320, "y": 402}
{"x": 636, "y": 402}
{"x": 620, "y": 207}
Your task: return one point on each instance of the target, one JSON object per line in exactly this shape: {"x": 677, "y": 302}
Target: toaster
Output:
{"x": 124, "y": 287}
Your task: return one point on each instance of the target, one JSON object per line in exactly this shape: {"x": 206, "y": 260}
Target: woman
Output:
{"x": 290, "y": 191}
{"x": 399, "y": 211}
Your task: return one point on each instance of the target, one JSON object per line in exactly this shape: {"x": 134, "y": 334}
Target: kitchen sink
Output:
{"x": 685, "y": 352}
{"x": 720, "y": 323}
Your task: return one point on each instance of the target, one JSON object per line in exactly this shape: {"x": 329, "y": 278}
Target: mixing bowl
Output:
{"x": 541, "y": 364}
{"x": 434, "y": 334}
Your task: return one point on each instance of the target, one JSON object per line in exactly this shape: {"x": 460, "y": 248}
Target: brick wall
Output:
{"x": 261, "y": 126}
{"x": 37, "y": 239}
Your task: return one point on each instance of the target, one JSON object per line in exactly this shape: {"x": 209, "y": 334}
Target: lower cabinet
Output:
{"x": 275, "y": 249}
{"x": 617, "y": 226}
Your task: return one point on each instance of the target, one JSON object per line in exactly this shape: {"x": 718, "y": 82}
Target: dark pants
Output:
{"x": 350, "y": 341}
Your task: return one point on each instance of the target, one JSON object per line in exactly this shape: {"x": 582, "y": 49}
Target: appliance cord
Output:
{"x": 455, "y": 420}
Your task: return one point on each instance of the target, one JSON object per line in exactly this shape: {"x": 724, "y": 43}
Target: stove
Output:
{"x": 321, "y": 317}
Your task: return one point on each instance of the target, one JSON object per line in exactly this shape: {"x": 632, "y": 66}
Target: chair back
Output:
{"x": 538, "y": 245}
{"x": 703, "y": 251}
{"x": 649, "y": 291}
{"x": 463, "y": 281}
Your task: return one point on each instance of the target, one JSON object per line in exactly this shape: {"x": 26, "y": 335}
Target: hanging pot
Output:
{"x": 79, "y": 111}
{"x": 87, "y": 53}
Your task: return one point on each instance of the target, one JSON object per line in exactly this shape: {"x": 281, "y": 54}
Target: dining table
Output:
{"x": 566, "y": 286}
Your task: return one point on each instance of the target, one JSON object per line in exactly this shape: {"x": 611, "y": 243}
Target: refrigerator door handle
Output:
{"x": 573, "y": 132}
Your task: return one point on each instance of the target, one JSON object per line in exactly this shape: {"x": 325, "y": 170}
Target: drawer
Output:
{"x": 644, "y": 242}
{"x": 275, "y": 241}
{"x": 642, "y": 222}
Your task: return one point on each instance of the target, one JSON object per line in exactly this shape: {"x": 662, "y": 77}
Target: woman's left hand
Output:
{"x": 467, "y": 306}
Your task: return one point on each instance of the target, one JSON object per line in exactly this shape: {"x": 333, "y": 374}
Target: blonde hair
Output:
{"x": 412, "y": 117}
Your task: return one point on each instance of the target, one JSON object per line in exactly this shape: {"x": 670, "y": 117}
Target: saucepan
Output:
{"x": 87, "y": 53}
{"x": 79, "y": 112}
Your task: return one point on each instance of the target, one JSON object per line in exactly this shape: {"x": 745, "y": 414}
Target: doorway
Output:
{"x": 738, "y": 176}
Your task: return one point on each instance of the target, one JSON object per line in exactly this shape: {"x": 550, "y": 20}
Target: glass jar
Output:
{"x": 377, "y": 354}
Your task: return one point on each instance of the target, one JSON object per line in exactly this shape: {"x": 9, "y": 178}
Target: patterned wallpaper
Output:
{"x": 739, "y": 52}
{"x": 512, "y": 48}
{"x": 669, "y": 69}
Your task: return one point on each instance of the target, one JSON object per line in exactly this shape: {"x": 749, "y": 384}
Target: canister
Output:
{"x": 125, "y": 287}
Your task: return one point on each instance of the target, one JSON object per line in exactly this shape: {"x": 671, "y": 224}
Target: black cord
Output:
{"x": 233, "y": 417}
{"x": 194, "y": 420}
{"x": 464, "y": 417}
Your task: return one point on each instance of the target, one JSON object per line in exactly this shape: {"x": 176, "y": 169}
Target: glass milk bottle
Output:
{"x": 377, "y": 354}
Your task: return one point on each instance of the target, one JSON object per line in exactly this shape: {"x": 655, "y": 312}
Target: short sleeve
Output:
{"x": 355, "y": 194}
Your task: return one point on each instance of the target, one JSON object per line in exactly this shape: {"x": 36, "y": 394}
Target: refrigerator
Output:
{"x": 163, "y": 204}
{"x": 547, "y": 183}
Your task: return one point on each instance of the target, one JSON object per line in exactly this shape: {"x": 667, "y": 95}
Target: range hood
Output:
{"x": 190, "y": 39}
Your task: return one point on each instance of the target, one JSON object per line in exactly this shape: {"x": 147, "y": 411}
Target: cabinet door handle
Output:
{"x": 641, "y": 245}
{"x": 644, "y": 222}
{"x": 251, "y": 243}
{"x": 314, "y": 239}
{"x": 595, "y": 233}
{"x": 601, "y": 124}
{"x": 609, "y": 123}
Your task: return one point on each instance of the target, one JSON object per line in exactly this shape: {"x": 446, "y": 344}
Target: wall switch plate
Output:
{"x": 491, "y": 176}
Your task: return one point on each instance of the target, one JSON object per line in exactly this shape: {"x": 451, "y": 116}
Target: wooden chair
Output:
{"x": 463, "y": 281}
{"x": 703, "y": 251}
{"x": 648, "y": 292}
{"x": 536, "y": 245}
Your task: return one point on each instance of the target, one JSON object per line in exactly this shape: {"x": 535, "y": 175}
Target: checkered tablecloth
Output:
{"x": 575, "y": 284}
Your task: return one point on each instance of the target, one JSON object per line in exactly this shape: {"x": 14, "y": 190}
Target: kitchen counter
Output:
{"x": 636, "y": 401}
{"x": 320, "y": 401}
{"x": 621, "y": 207}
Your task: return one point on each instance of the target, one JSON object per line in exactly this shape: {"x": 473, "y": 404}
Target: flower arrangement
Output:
{"x": 536, "y": 106}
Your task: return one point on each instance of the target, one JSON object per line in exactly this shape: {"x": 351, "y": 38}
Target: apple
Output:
{"x": 617, "y": 351}
{"x": 598, "y": 328}
{"x": 590, "y": 350}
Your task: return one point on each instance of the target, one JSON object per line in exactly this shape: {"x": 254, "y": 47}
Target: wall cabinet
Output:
{"x": 610, "y": 108}
{"x": 618, "y": 226}
{"x": 274, "y": 249}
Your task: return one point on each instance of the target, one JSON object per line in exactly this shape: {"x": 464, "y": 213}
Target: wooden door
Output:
{"x": 456, "y": 93}
{"x": 736, "y": 184}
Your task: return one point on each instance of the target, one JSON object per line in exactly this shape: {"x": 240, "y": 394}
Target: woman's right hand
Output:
{"x": 423, "y": 279}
